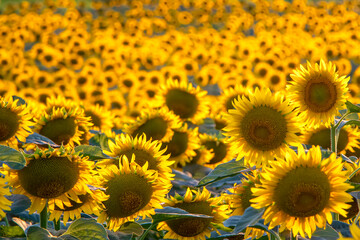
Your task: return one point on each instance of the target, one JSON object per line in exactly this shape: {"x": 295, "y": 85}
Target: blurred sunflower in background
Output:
{"x": 186, "y": 101}
{"x": 157, "y": 124}
{"x": 319, "y": 92}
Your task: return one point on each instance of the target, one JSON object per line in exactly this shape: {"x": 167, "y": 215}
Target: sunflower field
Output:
{"x": 180, "y": 119}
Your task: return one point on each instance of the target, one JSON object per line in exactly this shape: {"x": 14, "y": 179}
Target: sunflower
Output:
{"x": 147, "y": 152}
{"x": 62, "y": 126}
{"x": 15, "y": 121}
{"x": 157, "y": 124}
{"x": 54, "y": 175}
{"x": 134, "y": 192}
{"x": 261, "y": 127}
{"x": 240, "y": 198}
{"x": 196, "y": 203}
{"x": 182, "y": 145}
{"x": 90, "y": 203}
{"x": 301, "y": 192}
{"x": 100, "y": 117}
{"x": 4, "y": 202}
{"x": 186, "y": 101}
{"x": 219, "y": 148}
{"x": 355, "y": 232}
{"x": 241, "y": 195}
{"x": 230, "y": 94}
{"x": 348, "y": 138}
{"x": 318, "y": 92}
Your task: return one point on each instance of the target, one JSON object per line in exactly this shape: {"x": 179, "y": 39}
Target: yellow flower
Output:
{"x": 4, "y": 202}
{"x": 54, "y": 175}
{"x": 186, "y": 101}
{"x": 261, "y": 127}
{"x": 157, "y": 124}
{"x": 147, "y": 152}
{"x": 301, "y": 192}
{"x": 197, "y": 203}
{"x": 134, "y": 191}
{"x": 318, "y": 92}
{"x": 14, "y": 122}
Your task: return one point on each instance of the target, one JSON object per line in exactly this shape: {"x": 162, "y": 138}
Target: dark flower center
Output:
{"x": 184, "y": 104}
{"x": 9, "y": 124}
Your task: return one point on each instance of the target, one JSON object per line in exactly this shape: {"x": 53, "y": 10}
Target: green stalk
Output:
{"x": 6, "y": 221}
{"x": 57, "y": 224}
{"x": 143, "y": 236}
{"x": 333, "y": 139}
{"x": 44, "y": 217}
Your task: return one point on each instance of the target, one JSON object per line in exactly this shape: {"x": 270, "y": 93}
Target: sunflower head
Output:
{"x": 261, "y": 127}
{"x": 157, "y": 124}
{"x": 186, "y": 101}
{"x": 319, "y": 92}
{"x": 301, "y": 192}
{"x": 62, "y": 125}
{"x": 15, "y": 121}
{"x": 4, "y": 202}
{"x": 197, "y": 203}
{"x": 149, "y": 152}
{"x": 133, "y": 191}
{"x": 57, "y": 174}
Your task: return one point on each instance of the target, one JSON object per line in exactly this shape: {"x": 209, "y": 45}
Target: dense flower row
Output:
{"x": 163, "y": 87}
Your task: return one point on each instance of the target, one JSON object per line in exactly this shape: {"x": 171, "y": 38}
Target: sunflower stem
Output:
{"x": 44, "y": 217}
{"x": 6, "y": 221}
{"x": 333, "y": 139}
{"x": 342, "y": 118}
{"x": 143, "y": 236}
{"x": 57, "y": 224}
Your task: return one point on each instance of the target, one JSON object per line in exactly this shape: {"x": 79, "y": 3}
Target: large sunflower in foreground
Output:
{"x": 62, "y": 126}
{"x": 134, "y": 191}
{"x": 318, "y": 92}
{"x": 197, "y": 203}
{"x": 145, "y": 151}
{"x": 15, "y": 122}
{"x": 261, "y": 127}
{"x": 157, "y": 124}
{"x": 4, "y": 202}
{"x": 301, "y": 192}
{"x": 186, "y": 101}
{"x": 54, "y": 175}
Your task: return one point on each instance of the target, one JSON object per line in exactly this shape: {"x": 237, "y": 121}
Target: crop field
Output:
{"x": 179, "y": 119}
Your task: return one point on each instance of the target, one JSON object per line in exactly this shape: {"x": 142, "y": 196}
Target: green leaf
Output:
{"x": 329, "y": 233}
{"x": 170, "y": 213}
{"x": 93, "y": 152}
{"x": 250, "y": 217}
{"x": 20, "y": 102}
{"x": 352, "y": 107}
{"x": 352, "y": 122}
{"x": 87, "y": 229}
{"x": 36, "y": 233}
{"x": 100, "y": 140}
{"x": 228, "y": 236}
{"x": 224, "y": 170}
{"x": 261, "y": 226}
{"x": 19, "y": 203}
{"x": 11, "y": 157}
{"x": 131, "y": 228}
